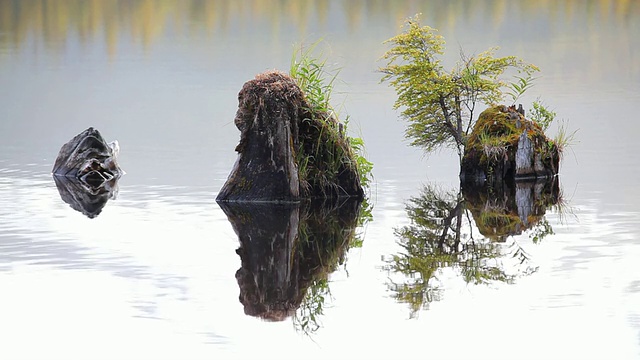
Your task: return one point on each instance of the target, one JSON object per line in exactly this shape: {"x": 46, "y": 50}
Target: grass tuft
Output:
{"x": 333, "y": 151}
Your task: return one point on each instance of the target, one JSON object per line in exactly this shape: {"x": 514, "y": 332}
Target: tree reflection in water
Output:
{"x": 470, "y": 232}
{"x": 287, "y": 252}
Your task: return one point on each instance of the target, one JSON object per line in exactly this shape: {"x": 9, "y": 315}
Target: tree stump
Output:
{"x": 287, "y": 151}
{"x": 505, "y": 146}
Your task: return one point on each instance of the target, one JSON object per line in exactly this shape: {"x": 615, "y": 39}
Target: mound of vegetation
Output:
{"x": 505, "y": 145}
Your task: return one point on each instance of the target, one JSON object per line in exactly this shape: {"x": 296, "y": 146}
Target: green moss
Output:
{"x": 494, "y": 128}
{"x": 323, "y": 154}
{"x": 245, "y": 184}
{"x": 495, "y": 225}
{"x": 327, "y": 158}
{"x": 495, "y": 136}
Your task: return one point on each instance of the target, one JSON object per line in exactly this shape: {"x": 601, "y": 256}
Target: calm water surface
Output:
{"x": 153, "y": 276}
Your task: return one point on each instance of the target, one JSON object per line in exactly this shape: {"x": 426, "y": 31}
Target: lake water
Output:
{"x": 154, "y": 275}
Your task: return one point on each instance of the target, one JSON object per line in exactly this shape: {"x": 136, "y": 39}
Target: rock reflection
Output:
{"x": 85, "y": 198}
{"x": 287, "y": 252}
{"x": 442, "y": 237}
{"x": 86, "y": 172}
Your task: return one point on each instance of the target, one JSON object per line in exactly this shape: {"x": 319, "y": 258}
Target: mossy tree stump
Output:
{"x": 287, "y": 151}
{"x": 505, "y": 146}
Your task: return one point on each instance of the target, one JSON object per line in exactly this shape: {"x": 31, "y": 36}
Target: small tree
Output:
{"x": 440, "y": 105}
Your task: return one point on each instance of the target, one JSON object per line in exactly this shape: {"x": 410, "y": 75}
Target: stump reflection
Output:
{"x": 287, "y": 252}
{"x": 512, "y": 208}
{"x": 443, "y": 237}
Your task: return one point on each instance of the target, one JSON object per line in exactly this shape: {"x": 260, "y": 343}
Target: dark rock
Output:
{"x": 86, "y": 172}
{"x": 287, "y": 152}
{"x": 88, "y": 157}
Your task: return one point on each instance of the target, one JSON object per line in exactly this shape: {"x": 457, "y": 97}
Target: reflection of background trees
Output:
{"x": 287, "y": 253}
{"x": 442, "y": 235}
{"x": 145, "y": 20}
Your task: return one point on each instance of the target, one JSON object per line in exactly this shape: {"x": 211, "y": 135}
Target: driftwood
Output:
{"x": 86, "y": 172}
{"x": 284, "y": 248}
{"x": 287, "y": 152}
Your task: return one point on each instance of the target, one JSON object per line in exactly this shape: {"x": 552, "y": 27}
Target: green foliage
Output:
{"x": 493, "y": 147}
{"x": 564, "y": 138}
{"x": 439, "y": 104}
{"x": 541, "y": 114}
{"x": 540, "y": 231}
{"x": 324, "y": 238}
{"x": 466, "y": 234}
{"x": 434, "y": 241}
{"x": 324, "y": 159}
{"x": 326, "y": 233}
{"x": 310, "y": 73}
{"x": 517, "y": 88}
{"x": 365, "y": 171}
{"x": 365, "y": 167}
{"x": 307, "y": 317}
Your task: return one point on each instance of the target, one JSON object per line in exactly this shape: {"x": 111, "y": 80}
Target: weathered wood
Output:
{"x": 524, "y": 157}
{"x": 265, "y": 169}
{"x": 86, "y": 172}
{"x": 285, "y": 149}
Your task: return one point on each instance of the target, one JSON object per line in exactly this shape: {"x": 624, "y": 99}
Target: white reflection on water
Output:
{"x": 133, "y": 273}
{"x": 153, "y": 275}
